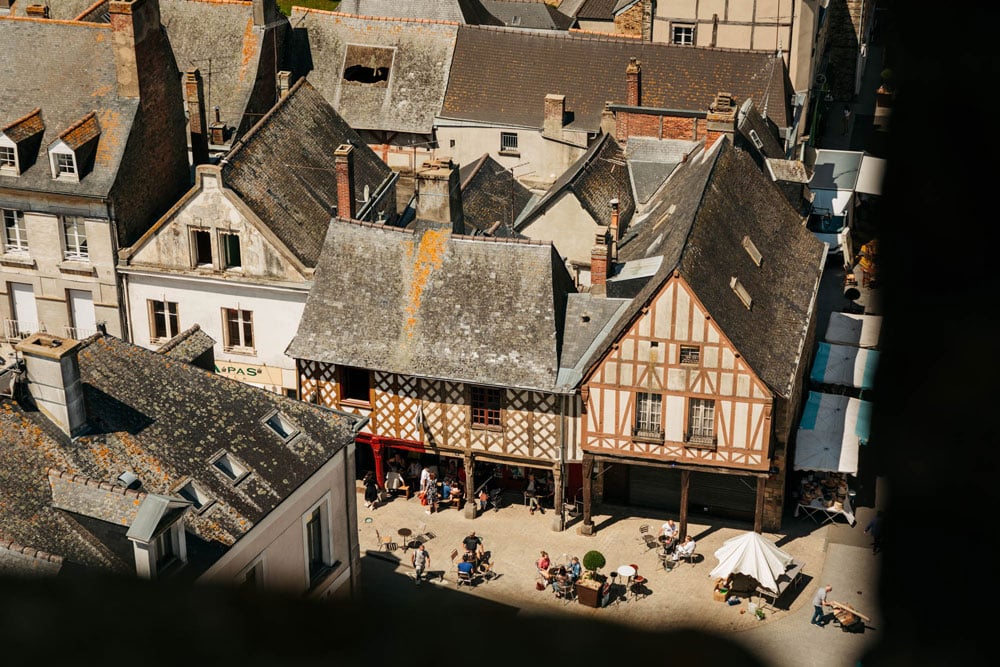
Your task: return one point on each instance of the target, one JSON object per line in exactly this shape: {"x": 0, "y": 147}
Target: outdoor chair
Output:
{"x": 385, "y": 542}
{"x": 466, "y": 578}
{"x": 689, "y": 557}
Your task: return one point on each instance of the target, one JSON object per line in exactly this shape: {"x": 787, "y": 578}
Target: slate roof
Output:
{"x": 748, "y": 118}
{"x": 491, "y": 195}
{"x": 597, "y": 177}
{"x": 283, "y": 169}
{"x": 50, "y": 79}
{"x": 219, "y": 39}
{"x": 162, "y": 420}
{"x": 63, "y": 10}
{"x": 188, "y": 345}
{"x": 588, "y": 321}
{"x": 486, "y": 311}
{"x": 570, "y": 7}
{"x": 596, "y": 10}
{"x": 528, "y": 14}
{"x": 698, "y": 224}
{"x": 460, "y": 11}
{"x": 417, "y": 79}
{"x": 521, "y": 67}
{"x": 651, "y": 161}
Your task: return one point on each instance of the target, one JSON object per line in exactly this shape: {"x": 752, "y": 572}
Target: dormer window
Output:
{"x": 19, "y": 143}
{"x": 8, "y": 156}
{"x": 71, "y": 155}
{"x": 157, "y": 535}
{"x": 282, "y": 425}
{"x": 230, "y": 467}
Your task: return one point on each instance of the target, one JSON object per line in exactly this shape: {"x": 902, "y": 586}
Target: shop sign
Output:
{"x": 254, "y": 373}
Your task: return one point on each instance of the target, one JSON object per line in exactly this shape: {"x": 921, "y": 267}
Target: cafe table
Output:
{"x": 405, "y": 534}
{"x": 626, "y": 572}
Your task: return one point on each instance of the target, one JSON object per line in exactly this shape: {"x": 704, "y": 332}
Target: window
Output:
{"x": 75, "y": 238}
{"x": 751, "y": 249}
{"x": 164, "y": 322}
{"x": 508, "y": 142}
{"x": 238, "y": 329}
{"x": 741, "y": 291}
{"x": 368, "y": 65}
{"x": 682, "y": 34}
{"x": 65, "y": 165}
{"x": 648, "y": 408}
{"x": 317, "y": 541}
{"x": 690, "y": 354}
{"x": 281, "y": 425}
{"x": 354, "y": 384}
{"x": 227, "y": 464}
{"x": 486, "y": 405}
{"x": 252, "y": 578}
{"x": 165, "y": 545}
{"x": 701, "y": 421}
{"x": 15, "y": 236}
{"x": 8, "y": 158}
{"x": 201, "y": 241}
{"x": 230, "y": 251}
{"x": 755, "y": 138}
{"x": 196, "y": 495}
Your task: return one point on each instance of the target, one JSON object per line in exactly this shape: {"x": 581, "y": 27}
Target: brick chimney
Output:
{"x": 633, "y": 73}
{"x": 217, "y": 130}
{"x": 599, "y": 260}
{"x": 608, "y": 121}
{"x": 36, "y": 11}
{"x": 54, "y": 379}
{"x": 196, "y": 116}
{"x": 439, "y": 194}
{"x": 284, "y": 77}
{"x": 135, "y": 33}
{"x": 555, "y": 114}
{"x": 344, "y": 165}
{"x": 721, "y": 118}
{"x": 613, "y": 230}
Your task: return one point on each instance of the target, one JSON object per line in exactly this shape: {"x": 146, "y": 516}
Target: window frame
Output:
{"x": 681, "y": 349}
{"x": 201, "y": 500}
{"x": 289, "y": 429}
{"x": 240, "y": 471}
{"x": 347, "y": 377}
{"x": 81, "y": 253}
{"x": 509, "y": 143}
{"x": 239, "y": 347}
{"x": 486, "y": 407}
{"x": 8, "y": 147}
{"x": 15, "y": 216}
{"x": 224, "y": 251}
{"x": 166, "y": 550}
{"x": 700, "y": 436}
{"x": 256, "y": 565}
{"x": 691, "y": 29}
{"x": 195, "y": 235}
{"x": 317, "y": 568}
{"x": 648, "y": 423}
{"x": 170, "y": 332}
{"x": 63, "y": 164}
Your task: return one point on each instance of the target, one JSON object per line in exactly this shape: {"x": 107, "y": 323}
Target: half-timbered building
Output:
{"x": 449, "y": 344}
{"x": 691, "y": 401}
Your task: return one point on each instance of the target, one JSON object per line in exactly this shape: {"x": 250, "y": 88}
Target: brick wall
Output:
{"x": 630, "y": 22}
{"x": 661, "y": 127}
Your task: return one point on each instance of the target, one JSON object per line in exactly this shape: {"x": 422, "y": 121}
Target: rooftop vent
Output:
{"x": 129, "y": 480}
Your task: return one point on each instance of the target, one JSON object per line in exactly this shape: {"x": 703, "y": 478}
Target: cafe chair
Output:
{"x": 385, "y": 542}
{"x": 643, "y": 532}
{"x": 465, "y": 578}
{"x": 638, "y": 586}
{"x": 689, "y": 557}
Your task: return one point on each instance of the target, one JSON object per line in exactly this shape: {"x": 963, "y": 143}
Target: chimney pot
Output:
{"x": 38, "y": 11}
{"x": 343, "y": 159}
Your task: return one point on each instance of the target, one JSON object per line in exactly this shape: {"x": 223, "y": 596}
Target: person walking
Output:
{"x": 431, "y": 493}
{"x": 421, "y": 561}
{"x": 820, "y": 601}
{"x": 531, "y": 493}
{"x": 371, "y": 490}
{"x": 846, "y": 120}
{"x": 874, "y": 528}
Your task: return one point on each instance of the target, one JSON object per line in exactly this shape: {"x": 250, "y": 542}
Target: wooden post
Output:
{"x": 587, "y": 527}
{"x": 685, "y": 484}
{"x": 470, "y": 487}
{"x": 379, "y": 466}
{"x": 557, "y": 498}
{"x": 758, "y": 513}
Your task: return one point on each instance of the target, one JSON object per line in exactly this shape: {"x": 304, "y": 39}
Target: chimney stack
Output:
{"x": 135, "y": 26}
{"x": 608, "y": 120}
{"x": 283, "y": 78}
{"x": 259, "y": 16}
{"x": 54, "y": 379}
{"x": 555, "y": 114}
{"x": 633, "y": 83}
{"x": 35, "y": 11}
{"x": 217, "y": 130}
{"x": 196, "y": 114}
{"x": 439, "y": 194}
{"x": 599, "y": 260}
{"x": 613, "y": 230}
{"x": 344, "y": 165}
{"x": 721, "y": 118}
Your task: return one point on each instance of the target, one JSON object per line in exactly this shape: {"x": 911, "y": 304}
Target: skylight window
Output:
{"x": 751, "y": 249}
{"x": 194, "y": 493}
{"x": 281, "y": 425}
{"x": 227, "y": 464}
{"x": 741, "y": 291}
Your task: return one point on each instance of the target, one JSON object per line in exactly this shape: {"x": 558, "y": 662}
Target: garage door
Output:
{"x": 723, "y": 495}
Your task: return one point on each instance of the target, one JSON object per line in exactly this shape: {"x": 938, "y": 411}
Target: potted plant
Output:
{"x": 588, "y": 587}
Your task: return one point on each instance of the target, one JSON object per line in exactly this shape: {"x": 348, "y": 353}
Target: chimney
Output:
{"x": 135, "y": 27}
{"x": 721, "y": 118}
{"x": 196, "y": 116}
{"x": 647, "y": 20}
{"x": 283, "y": 78}
{"x": 217, "y": 130}
{"x": 344, "y": 165}
{"x": 632, "y": 80}
{"x": 439, "y": 194}
{"x": 36, "y": 11}
{"x": 599, "y": 261}
{"x": 608, "y": 120}
{"x": 613, "y": 230}
{"x": 54, "y": 379}
{"x": 259, "y": 17}
{"x": 555, "y": 113}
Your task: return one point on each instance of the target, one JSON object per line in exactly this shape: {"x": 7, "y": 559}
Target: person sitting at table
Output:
{"x": 396, "y": 463}
{"x": 560, "y": 582}
{"x": 574, "y": 569}
{"x": 413, "y": 474}
{"x": 446, "y": 489}
{"x": 466, "y": 565}
{"x": 455, "y": 493}
{"x": 685, "y": 548}
{"x": 668, "y": 534}
{"x": 542, "y": 564}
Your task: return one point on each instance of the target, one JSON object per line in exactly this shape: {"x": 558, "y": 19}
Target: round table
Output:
{"x": 405, "y": 534}
{"x": 626, "y": 571}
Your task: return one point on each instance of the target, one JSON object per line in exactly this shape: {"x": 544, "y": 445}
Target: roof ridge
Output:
{"x": 376, "y": 225}
{"x": 84, "y": 480}
{"x": 179, "y": 338}
{"x": 38, "y": 19}
{"x": 475, "y": 170}
{"x": 36, "y": 110}
{"x": 366, "y": 17}
{"x": 242, "y": 141}
{"x": 10, "y": 545}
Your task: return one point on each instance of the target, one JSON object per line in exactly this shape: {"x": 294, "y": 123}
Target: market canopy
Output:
{"x": 851, "y": 329}
{"x": 844, "y": 365}
{"x": 754, "y": 555}
{"x": 830, "y": 431}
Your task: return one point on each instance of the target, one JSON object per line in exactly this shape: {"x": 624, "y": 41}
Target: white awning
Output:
{"x": 830, "y": 431}
{"x": 851, "y": 329}
{"x": 870, "y": 175}
{"x": 844, "y": 365}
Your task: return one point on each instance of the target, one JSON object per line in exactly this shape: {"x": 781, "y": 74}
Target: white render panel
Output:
{"x": 726, "y": 384}
{"x": 739, "y": 424}
{"x": 664, "y": 304}
{"x": 677, "y": 379}
{"x": 627, "y": 349}
{"x": 728, "y": 360}
{"x": 710, "y": 357}
{"x": 626, "y": 377}
{"x": 713, "y": 335}
{"x": 698, "y": 323}
{"x": 743, "y": 385}
{"x": 683, "y": 313}
{"x": 673, "y": 427}
{"x": 611, "y": 372}
{"x": 644, "y": 325}
{"x": 608, "y": 399}
{"x": 757, "y": 417}
{"x": 276, "y": 314}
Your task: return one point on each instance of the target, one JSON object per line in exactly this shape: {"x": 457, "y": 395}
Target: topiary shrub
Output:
{"x": 593, "y": 561}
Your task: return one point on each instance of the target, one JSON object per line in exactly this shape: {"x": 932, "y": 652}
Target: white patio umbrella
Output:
{"x": 753, "y": 555}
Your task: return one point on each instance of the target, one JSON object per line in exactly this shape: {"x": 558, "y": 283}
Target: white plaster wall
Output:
{"x": 568, "y": 226}
{"x": 538, "y": 159}
{"x": 276, "y": 314}
{"x": 279, "y": 537}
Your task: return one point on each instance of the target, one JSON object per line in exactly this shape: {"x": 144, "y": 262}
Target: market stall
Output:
{"x": 825, "y": 496}
{"x": 853, "y": 329}
{"x": 844, "y": 365}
